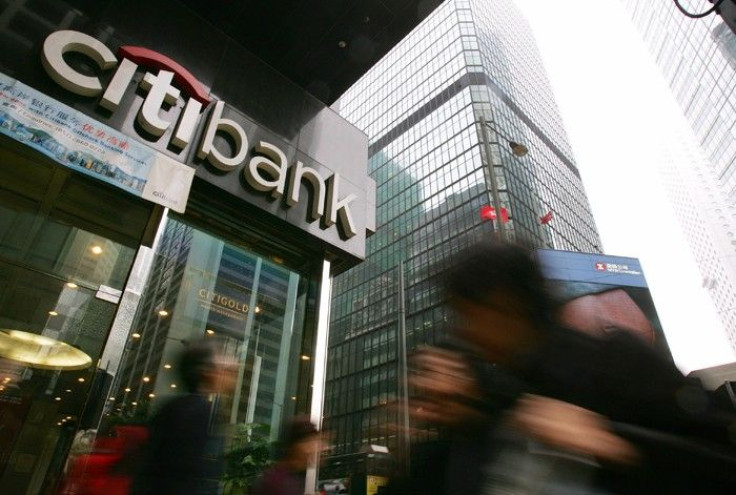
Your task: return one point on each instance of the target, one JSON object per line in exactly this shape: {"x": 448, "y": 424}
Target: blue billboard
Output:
{"x": 600, "y": 294}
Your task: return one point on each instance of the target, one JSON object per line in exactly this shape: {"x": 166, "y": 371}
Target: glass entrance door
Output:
{"x": 67, "y": 244}
{"x": 204, "y": 287}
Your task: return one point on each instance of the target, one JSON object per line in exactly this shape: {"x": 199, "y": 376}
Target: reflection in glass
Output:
{"x": 54, "y": 326}
{"x": 44, "y": 401}
{"x": 204, "y": 287}
{"x": 41, "y": 352}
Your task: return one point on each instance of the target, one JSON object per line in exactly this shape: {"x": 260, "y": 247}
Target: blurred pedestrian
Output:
{"x": 183, "y": 455}
{"x": 611, "y": 403}
{"x": 109, "y": 466}
{"x": 300, "y": 446}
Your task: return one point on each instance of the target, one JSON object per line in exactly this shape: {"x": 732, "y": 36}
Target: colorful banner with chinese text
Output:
{"x": 81, "y": 143}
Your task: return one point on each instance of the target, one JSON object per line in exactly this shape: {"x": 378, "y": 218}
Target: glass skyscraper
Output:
{"x": 697, "y": 58}
{"x": 421, "y": 106}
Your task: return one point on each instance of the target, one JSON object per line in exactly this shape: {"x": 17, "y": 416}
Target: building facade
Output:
{"x": 160, "y": 183}
{"x": 421, "y": 106}
{"x": 697, "y": 58}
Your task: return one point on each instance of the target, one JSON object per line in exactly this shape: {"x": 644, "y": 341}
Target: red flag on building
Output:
{"x": 547, "y": 218}
{"x": 487, "y": 212}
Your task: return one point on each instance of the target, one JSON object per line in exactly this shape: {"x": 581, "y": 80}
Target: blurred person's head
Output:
{"x": 300, "y": 441}
{"x": 204, "y": 369}
{"x": 500, "y": 297}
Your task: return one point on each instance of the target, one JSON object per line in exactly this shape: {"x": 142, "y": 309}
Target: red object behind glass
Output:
{"x": 107, "y": 469}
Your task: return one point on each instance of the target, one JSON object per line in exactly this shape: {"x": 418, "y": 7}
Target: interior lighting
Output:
{"x": 57, "y": 398}
{"x": 53, "y": 313}
{"x": 80, "y": 380}
{"x": 152, "y": 395}
{"x": 96, "y": 250}
{"x": 305, "y": 357}
{"x": 39, "y": 351}
{"x": 127, "y": 389}
{"x": 173, "y": 385}
{"x": 72, "y": 285}
{"x": 167, "y": 366}
{"x": 163, "y": 312}
{"x": 136, "y": 335}
{"x": 210, "y": 331}
{"x": 146, "y": 379}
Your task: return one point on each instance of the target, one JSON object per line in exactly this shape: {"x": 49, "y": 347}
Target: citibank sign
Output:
{"x": 267, "y": 172}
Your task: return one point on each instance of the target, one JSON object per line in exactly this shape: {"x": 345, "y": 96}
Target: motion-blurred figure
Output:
{"x": 183, "y": 455}
{"x": 562, "y": 412}
{"x": 109, "y": 466}
{"x": 300, "y": 445}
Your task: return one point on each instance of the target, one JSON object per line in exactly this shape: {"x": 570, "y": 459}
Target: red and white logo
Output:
{"x": 182, "y": 77}
{"x": 600, "y": 267}
{"x": 159, "y": 87}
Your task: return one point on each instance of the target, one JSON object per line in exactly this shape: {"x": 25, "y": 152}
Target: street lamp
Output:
{"x": 726, "y": 9}
{"x": 518, "y": 150}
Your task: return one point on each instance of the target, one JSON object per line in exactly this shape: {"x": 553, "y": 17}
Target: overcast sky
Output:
{"x": 620, "y": 116}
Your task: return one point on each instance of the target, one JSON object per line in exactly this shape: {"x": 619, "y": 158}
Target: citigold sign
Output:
{"x": 224, "y": 301}
{"x": 228, "y": 306}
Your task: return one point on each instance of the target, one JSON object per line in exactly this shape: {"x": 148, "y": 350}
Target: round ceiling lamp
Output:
{"x": 39, "y": 351}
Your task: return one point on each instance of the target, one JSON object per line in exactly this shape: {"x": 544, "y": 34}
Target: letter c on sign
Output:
{"x": 61, "y": 42}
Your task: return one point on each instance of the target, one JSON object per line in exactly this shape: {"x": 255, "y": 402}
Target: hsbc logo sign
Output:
{"x": 617, "y": 268}
{"x": 267, "y": 172}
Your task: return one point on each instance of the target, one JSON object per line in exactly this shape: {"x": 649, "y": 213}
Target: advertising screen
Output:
{"x": 602, "y": 293}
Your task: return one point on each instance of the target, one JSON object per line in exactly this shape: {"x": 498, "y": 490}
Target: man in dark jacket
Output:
{"x": 610, "y": 403}
{"x": 183, "y": 455}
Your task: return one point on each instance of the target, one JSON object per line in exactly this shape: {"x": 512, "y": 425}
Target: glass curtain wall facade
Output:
{"x": 203, "y": 286}
{"x": 61, "y": 260}
{"x": 697, "y": 58}
{"x": 420, "y": 107}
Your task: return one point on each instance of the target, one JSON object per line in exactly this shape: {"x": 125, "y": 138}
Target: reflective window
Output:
{"x": 203, "y": 287}
{"x": 67, "y": 244}
{"x": 420, "y": 106}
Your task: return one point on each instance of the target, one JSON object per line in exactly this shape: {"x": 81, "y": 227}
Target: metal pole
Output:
{"x": 244, "y": 348}
{"x": 319, "y": 372}
{"x": 498, "y": 223}
{"x": 404, "y": 371}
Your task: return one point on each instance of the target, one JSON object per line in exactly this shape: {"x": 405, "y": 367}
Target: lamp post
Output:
{"x": 403, "y": 372}
{"x": 518, "y": 150}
